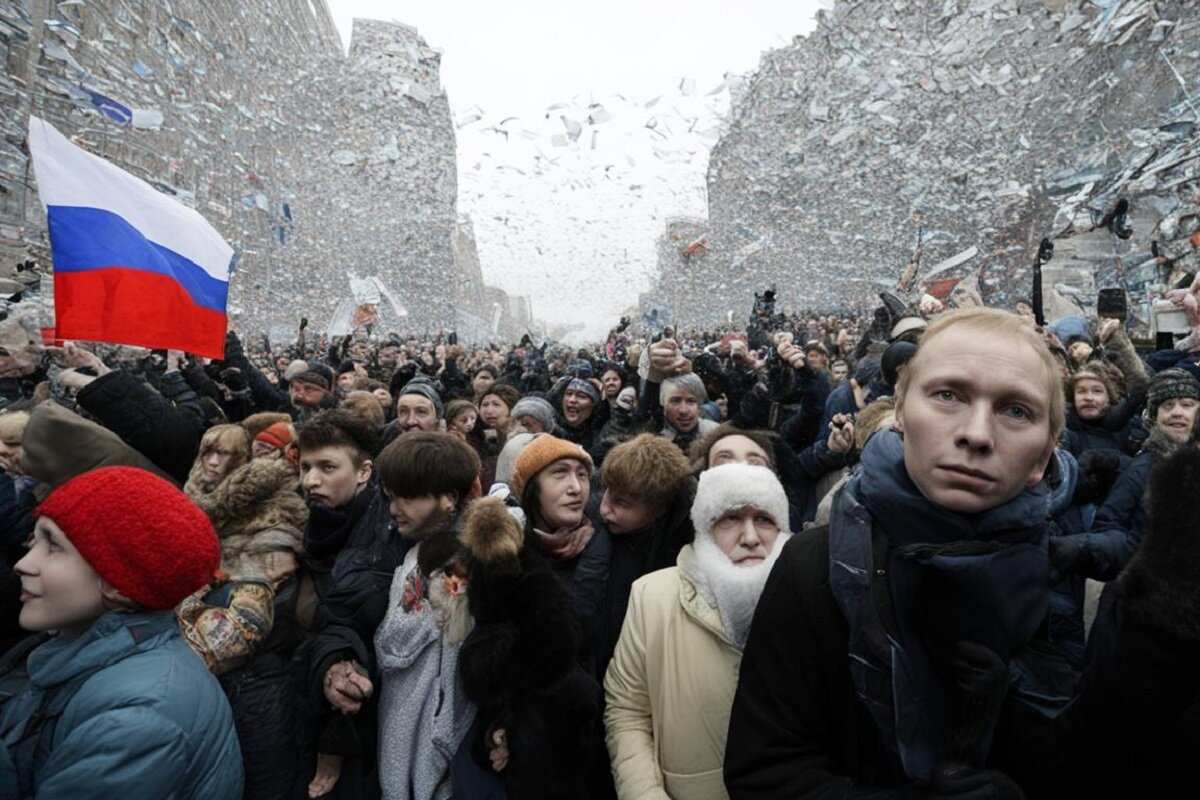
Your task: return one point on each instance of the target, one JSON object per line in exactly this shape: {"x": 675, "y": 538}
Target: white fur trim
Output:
{"x": 732, "y": 486}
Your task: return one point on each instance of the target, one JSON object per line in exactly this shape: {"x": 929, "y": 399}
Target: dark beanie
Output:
{"x": 896, "y": 355}
{"x": 1167, "y": 385}
{"x": 317, "y": 374}
{"x": 423, "y": 386}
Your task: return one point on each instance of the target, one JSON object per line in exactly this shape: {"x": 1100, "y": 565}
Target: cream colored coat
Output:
{"x": 670, "y": 689}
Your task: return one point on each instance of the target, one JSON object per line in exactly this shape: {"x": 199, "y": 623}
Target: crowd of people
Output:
{"x": 921, "y": 553}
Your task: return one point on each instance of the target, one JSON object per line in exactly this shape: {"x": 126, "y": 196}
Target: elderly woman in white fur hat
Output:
{"x": 671, "y": 682}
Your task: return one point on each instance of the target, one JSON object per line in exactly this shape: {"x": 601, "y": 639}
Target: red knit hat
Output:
{"x": 138, "y": 531}
{"x": 279, "y": 435}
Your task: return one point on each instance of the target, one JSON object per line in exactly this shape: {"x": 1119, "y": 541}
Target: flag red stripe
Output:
{"x": 130, "y": 306}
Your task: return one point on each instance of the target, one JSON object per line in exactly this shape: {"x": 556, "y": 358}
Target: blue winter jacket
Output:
{"x": 1120, "y": 522}
{"x": 125, "y": 710}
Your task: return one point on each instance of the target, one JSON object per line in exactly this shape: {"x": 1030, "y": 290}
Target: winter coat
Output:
{"x": 840, "y": 401}
{"x": 124, "y": 710}
{"x": 518, "y": 664}
{"x": 586, "y": 575}
{"x": 1121, "y": 521}
{"x": 352, "y": 554}
{"x": 839, "y": 681}
{"x": 1120, "y": 428}
{"x": 1134, "y": 724}
{"x": 621, "y": 427}
{"x": 166, "y": 433}
{"x": 798, "y": 728}
{"x": 801, "y": 473}
{"x": 16, "y": 513}
{"x": 669, "y": 690}
{"x": 633, "y": 555}
{"x": 423, "y": 712}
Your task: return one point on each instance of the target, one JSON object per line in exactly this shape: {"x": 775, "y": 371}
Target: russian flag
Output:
{"x": 131, "y": 265}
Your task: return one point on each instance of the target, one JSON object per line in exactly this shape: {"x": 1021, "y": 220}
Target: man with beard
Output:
{"x": 671, "y": 682}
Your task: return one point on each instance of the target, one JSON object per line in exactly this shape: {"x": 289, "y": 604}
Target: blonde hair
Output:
{"x": 231, "y": 437}
{"x": 1003, "y": 325}
{"x": 12, "y": 424}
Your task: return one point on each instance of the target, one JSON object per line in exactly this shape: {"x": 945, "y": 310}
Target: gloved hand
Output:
{"x": 1098, "y": 470}
{"x": 974, "y": 784}
{"x": 1064, "y": 552}
{"x": 233, "y": 346}
{"x": 978, "y": 681}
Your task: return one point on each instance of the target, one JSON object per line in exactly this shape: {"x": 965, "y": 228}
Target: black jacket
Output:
{"x": 352, "y": 555}
{"x": 632, "y": 556}
{"x": 797, "y": 727}
{"x": 166, "y": 433}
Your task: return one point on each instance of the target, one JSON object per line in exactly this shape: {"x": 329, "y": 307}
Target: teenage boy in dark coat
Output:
{"x": 352, "y": 552}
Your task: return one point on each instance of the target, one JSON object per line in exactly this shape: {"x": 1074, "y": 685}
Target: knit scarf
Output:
{"x": 952, "y": 577}
{"x": 564, "y": 545}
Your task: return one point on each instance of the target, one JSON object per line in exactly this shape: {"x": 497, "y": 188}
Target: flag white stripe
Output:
{"x": 70, "y": 176}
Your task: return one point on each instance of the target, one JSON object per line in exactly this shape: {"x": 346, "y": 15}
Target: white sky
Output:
{"x": 575, "y": 227}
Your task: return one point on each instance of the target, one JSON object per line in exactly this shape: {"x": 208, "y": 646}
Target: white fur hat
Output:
{"x": 732, "y": 486}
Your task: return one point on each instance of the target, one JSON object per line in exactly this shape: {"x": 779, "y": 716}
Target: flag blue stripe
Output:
{"x": 84, "y": 239}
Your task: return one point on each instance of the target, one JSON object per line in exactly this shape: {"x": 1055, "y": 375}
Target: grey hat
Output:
{"x": 537, "y": 407}
{"x": 423, "y": 386}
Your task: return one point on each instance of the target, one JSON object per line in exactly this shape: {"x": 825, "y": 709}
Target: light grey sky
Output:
{"x": 573, "y": 225}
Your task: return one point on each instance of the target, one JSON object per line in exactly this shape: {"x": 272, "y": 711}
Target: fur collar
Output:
{"x": 1159, "y": 444}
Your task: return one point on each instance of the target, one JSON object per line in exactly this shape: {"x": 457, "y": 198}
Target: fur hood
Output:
{"x": 256, "y": 511}
{"x": 258, "y": 495}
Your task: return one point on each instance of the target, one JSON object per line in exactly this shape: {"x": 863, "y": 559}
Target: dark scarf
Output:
{"x": 329, "y": 528}
{"x": 951, "y": 577}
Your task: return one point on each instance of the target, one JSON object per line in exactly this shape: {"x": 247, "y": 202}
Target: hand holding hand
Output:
{"x": 346, "y": 688}
{"x": 498, "y": 749}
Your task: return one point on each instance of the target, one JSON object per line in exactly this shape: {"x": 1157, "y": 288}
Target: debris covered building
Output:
{"x": 958, "y": 132}
{"x": 318, "y": 167}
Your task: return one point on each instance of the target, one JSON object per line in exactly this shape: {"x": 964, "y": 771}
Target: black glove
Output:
{"x": 233, "y": 378}
{"x": 1098, "y": 470}
{"x": 978, "y": 680}
{"x": 233, "y": 346}
{"x": 1064, "y": 552}
{"x": 974, "y": 784}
